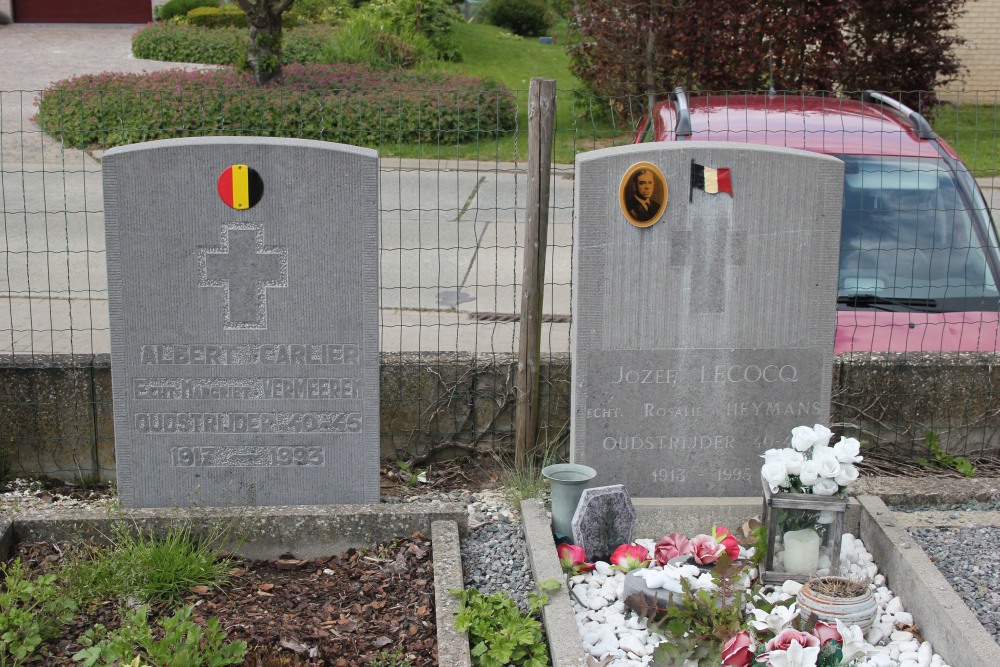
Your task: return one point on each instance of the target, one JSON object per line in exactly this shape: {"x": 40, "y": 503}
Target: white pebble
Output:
{"x": 910, "y": 646}
{"x": 614, "y": 620}
{"x": 903, "y": 617}
{"x": 908, "y": 656}
{"x": 874, "y": 636}
{"x": 602, "y": 568}
{"x": 925, "y": 655}
{"x": 900, "y": 636}
{"x": 791, "y": 587}
{"x": 879, "y": 580}
{"x": 894, "y": 605}
{"x": 632, "y": 644}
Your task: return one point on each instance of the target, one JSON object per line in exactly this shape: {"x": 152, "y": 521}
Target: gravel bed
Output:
{"x": 969, "y": 558}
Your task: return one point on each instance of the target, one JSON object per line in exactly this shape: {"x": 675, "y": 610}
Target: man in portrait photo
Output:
{"x": 639, "y": 202}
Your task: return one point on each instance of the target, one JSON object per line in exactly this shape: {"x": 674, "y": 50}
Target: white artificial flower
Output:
{"x": 847, "y": 451}
{"x": 824, "y": 487}
{"x": 809, "y": 473}
{"x": 776, "y": 620}
{"x": 795, "y": 656}
{"x": 823, "y": 453}
{"x": 823, "y": 435}
{"x": 793, "y": 461}
{"x": 829, "y": 468}
{"x": 774, "y": 474}
{"x": 853, "y": 643}
{"x": 772, "y": 455}
{"x": 803, "y": 438}
{"x": 848, "y": 473}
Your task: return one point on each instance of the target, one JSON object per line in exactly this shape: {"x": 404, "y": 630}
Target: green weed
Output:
{"x": 943, "y": 459}
{"x": 143, "y": 566}
{"x": 184, "y": 643}
{"x": 31, "y": 612}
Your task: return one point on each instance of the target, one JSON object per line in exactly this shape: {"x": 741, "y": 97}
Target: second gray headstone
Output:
{"x": 702, "y": 327}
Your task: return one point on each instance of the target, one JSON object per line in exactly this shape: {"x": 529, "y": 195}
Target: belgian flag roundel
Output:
{"x": 240, "y": 187}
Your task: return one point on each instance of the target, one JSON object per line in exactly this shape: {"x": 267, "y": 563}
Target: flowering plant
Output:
{"x": 811, "y": 465}
{"x": 573, "y": 559}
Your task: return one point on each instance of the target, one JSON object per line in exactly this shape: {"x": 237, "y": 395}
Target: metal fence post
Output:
{"x": 541, "y": 119}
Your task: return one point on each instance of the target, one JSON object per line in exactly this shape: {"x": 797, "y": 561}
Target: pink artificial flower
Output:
{"x": 825, "y": 632}
{"x": 573, "y": 559}
{"x": 785, "y": 638}
{"x": 705, "y": 550}
{"x": 722, "y": 535}
{"x": 630, "y": 556}
{"x": 671, "y": 546}
{"x": 738, "y": 651}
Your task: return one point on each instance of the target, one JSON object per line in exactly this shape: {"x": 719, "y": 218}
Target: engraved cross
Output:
{"x": 244, "y": 267}
{"x": 710, "y": 248}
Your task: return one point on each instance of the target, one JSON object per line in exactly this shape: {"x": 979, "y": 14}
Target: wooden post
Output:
{"x": 541, "y": 120}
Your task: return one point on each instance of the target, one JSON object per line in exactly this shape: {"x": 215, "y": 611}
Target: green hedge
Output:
{"x": 175, "y": 8}
{"x": 178, "y": 43}
{"x": 344, "y": 103}
{"x": 227, "y": 16}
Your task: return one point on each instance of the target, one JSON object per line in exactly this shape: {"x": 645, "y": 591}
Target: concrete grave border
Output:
{"x": 305, "y": 531}
{"x": 943, "y": 618}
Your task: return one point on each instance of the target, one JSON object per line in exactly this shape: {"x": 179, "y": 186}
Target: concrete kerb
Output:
{"x": 943, "y": 618}
{"x": 565, "y": 647}
{"x": 452, "y": 645}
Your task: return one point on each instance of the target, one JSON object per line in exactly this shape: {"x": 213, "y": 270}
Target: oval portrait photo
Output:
{"x": 643, "y": 194}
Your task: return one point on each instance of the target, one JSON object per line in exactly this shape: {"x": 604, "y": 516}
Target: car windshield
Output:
{"x": 907, "y": 236}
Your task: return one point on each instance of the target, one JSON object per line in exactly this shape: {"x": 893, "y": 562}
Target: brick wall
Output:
{"x": 980, "y": 26}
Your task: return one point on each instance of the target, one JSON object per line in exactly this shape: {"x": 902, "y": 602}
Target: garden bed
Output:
{"x": 339, "y": 611}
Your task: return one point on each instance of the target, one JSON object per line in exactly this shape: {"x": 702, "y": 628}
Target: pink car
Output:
{"x": 919, "y": 258}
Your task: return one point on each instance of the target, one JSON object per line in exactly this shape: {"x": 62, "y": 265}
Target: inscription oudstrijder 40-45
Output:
{"x": 228, "y": 422}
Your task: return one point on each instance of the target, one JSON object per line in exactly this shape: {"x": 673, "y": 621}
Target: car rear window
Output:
{"x": 906, "y": 233}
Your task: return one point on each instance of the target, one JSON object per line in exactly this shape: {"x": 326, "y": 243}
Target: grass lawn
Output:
{"x": 973, "y": 131}
{"x": 493, "y": 53}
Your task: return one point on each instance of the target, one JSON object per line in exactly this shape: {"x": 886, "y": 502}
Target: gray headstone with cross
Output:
{"x": 703, "y": 335}
{"x": 243, "y": 290}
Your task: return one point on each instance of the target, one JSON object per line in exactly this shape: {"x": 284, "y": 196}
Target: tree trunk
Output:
{"x": 264, "y": 51}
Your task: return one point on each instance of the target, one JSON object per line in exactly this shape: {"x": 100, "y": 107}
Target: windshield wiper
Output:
{"x": 874, "y": 301}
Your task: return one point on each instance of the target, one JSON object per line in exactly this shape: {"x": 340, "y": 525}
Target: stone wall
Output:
{"x": 56, "y": 418}
{"x": 980, "y": 26}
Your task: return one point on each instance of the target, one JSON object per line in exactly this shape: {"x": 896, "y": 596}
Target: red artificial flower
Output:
{"x": 824, "y": 632}
{"x": 573, "y": 559}
{"x": 722, "y": 535}
{"x": 738, "y": 651}
{"x": 630, "y": 556}
{"x": 705, "y": 550}
{"x": 785, "y": 638}
{"x": 671, "y": 546}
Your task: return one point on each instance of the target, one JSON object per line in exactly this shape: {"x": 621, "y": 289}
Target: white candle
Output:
{"x": 801, "y": 551}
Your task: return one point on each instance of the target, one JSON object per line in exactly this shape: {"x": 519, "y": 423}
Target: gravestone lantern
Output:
{"x": 804, "y": 532}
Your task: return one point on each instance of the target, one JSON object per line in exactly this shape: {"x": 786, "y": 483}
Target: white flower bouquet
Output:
{"x": 811, "y": 465}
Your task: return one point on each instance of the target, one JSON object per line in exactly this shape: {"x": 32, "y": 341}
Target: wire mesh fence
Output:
{"x": 917, "y": 318}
